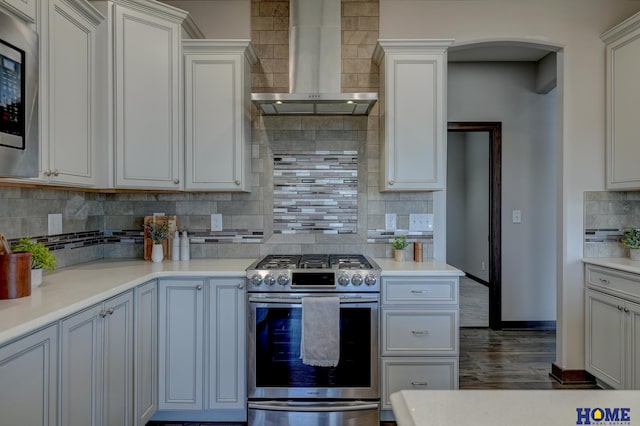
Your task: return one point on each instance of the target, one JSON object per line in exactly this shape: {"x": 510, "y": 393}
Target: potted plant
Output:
{"x": 631, "y": 240}
{"x": 41, "y": 258}
{"x": 157, "y": 233}
{"x": 399, "y": 243}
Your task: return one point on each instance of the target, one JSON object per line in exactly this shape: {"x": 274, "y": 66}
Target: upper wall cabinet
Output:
{"x": 217, "y": 114}
{"x": 412, "y": 114}
{"x": 142, "y": 88}
{"x": 25, "y": 9}
{"x": 68, "y": 30}
{"x": 623, "y": 98}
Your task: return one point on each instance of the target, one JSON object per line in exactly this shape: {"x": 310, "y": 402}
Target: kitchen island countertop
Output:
{"x": 71, "y": 289}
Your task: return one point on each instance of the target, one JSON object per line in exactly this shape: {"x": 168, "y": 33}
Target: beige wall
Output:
{"x": 218, "y": 18}
{"x": 575, "y": 26}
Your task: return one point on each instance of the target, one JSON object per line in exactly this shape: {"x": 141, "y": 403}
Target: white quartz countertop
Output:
{"x": 620, "y": 263}
{"x": 509, "y": 407}
{"x": 71, "y": 289}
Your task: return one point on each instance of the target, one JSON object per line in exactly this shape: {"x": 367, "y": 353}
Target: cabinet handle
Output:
{"x": 626, "y": 310}
{"x": 391, "y": 182}
{"x": 240, "y": 286}
{"x": 604, "y": 280}
{"x": 199, "y": 287}
{"x": 419, "y": 384}
{"x": 176, "y": 181}
{"x": 619, "y": 307}
{"x": 419, "y": 291}
{"x": 419, "y": 332}
{"x": 102, "y": 314}
{"x": 110, "y": 311}
{"x": 238, "y": 182}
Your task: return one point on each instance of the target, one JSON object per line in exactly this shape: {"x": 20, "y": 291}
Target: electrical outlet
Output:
{"x": 216, "y": 222}
{"x": 54, "y": 224}
{"x": 390, "y": 222}
{"x": 421, "y": 222}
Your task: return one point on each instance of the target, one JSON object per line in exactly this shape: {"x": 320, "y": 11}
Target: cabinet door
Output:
{"x": 28, "y": 385}
{"x": 226, "y": 352}
{"x": 25, "y": 9}
{"x": 181, "y": 344}
{"x": 623, "y": 96}
{"x": 605, "y": 338}
{"x": 80, "y": 361}
{"x": 117, "y": 367}
{"x": 147, "y": 100}
{"x": 146, "y": 352}
{"x": 634, "y": 345}
{"x": 216, "y": 126}
{"x": 413, "y": 123}
{"x": 68, "y": 49}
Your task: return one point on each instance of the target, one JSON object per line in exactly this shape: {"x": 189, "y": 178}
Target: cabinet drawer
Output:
{"x": 419, "y": 332}
{"x": 420, "y": 290}
{"x": 613, "y": 281}
{"x": 417, "y": 373}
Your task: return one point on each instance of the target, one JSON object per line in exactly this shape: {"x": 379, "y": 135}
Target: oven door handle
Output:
{"x": 313, "y": 406}
{"x": 298, "y": 299}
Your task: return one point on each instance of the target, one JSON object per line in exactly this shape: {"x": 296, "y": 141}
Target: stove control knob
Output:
{"x": 256, "y": 279}
{"x": 283, "y": 279}
{"x": 269, "y": 279}
{"x": 370, "y": 279}
{"x": 343, "y": 279}
{"x": 356, "y": 279}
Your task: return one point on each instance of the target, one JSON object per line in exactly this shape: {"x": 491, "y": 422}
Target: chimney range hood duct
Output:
{"x": 314, "y": 66}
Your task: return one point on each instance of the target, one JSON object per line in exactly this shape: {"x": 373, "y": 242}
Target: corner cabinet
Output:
{"x": 218, "y": 114}
{"x": 202, "y": 349}
{"x": 622, "y": 99}
{"x": 419, "y": 334}
{"x": 413, "y": 122}
{"x": 68, "y": 31}
{"x": 28, "y": 379}
{"x": 612, "y": 327}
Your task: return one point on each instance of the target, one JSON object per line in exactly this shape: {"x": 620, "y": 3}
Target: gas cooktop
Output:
{"x": 313, "y": 272}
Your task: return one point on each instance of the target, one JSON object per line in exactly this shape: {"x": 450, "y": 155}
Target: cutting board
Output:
{"x": 148, "y": 242}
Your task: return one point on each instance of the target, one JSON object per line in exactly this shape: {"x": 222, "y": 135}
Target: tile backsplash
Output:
{"x": 606, "y": 215}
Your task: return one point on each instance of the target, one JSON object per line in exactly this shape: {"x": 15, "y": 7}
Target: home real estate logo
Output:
{"x": 604, "y": 416}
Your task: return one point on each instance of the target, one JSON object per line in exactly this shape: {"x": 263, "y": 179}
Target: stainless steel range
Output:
{"x": 283, "y": 390}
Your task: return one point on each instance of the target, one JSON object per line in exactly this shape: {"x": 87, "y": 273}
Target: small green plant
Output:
{"x": 631, "y": 238}
{"x": 400, "y": 242}
{"x": 158, "y": 233}
{"x": 41, "y": 257}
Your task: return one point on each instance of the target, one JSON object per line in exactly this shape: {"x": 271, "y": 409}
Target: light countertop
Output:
{"x": 620, "y": 263}
{"x": 508, "y": 407}
{"x": 71, "y": 289}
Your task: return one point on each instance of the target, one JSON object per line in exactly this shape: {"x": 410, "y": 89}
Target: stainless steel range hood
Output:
{"x": 314, "y": 66}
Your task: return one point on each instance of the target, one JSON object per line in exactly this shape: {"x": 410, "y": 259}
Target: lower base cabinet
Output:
{"x": 28, "y": 385}
{"x": 96, "y": 365}
{"x": 145, "y": 352}
{"x": 202, "y": 351}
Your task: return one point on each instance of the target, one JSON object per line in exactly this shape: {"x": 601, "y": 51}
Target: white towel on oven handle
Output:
{"x": 320, "y": 337}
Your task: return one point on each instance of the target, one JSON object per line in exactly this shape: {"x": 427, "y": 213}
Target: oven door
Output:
{"x": 275, "y": 369}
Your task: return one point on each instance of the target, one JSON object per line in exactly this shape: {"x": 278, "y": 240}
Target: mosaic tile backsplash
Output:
{"x": 606, "y": 215}
{"x": 315, "y": 192}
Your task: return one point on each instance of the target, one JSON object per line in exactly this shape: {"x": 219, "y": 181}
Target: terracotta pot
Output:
{"x": 15, "y": 275}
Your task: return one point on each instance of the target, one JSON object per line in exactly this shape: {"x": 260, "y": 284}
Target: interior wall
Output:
{"x": 456, "y": 201}
{"x": 505, "y": 92}
{"x": 218, "y": 18}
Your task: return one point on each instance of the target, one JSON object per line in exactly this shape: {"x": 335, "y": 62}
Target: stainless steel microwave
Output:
{"x": 19, "y": 144}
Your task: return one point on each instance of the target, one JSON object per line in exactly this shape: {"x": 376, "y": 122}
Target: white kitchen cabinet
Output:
{"x": 145, "y": 352}
{"x": 622, "y": 100}
{"x": 24, "y": 9}
{"x": 612, "y": 327}
{"x": 413, "y": 123}
{"x": 218, "y": 114}
{"x": 28, "y": 379}
{"x": 419, "y": 334}
{"x": 202, "y": 348}
{"x": 96, "y": 365}
{"x": 68, "y": 113}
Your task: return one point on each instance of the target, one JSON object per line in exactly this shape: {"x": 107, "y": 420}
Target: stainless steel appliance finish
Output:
{"x": 315, "y": 66}
{"x": 18, "y": 99}
{"x": 281, "y": 389}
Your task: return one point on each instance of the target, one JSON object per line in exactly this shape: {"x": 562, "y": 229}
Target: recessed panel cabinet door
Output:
{"x": 147, "y": 101}
{"x": 146, "y": 352}
{"x": 28, "y": 385}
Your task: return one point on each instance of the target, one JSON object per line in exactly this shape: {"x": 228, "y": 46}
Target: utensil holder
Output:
{"x": 15, "y": 275}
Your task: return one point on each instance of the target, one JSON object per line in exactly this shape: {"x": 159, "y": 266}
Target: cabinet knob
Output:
{"x": 240, "y": 286}
{"x": 110, "y": 311}
{"x": 176, "y": 181}
{"x": 199, "y": 287}
{"x": 619, "y": 307}
{"x": 626, "y": 310}
{"x": 102, "y": 314}
{"x": 47, "y": 172}
{"x": 391, "y": 182}
{"x": 238, "y": 182}
{"x": 56, "y": 172}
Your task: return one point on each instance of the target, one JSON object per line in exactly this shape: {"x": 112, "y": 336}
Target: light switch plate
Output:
{"x": 216, "y": 222}
{"x": 516, "y": 216}
{"x": 421, "y": 222}
{"x": 54, "y": 224}
{"x": 390, "y": 222}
